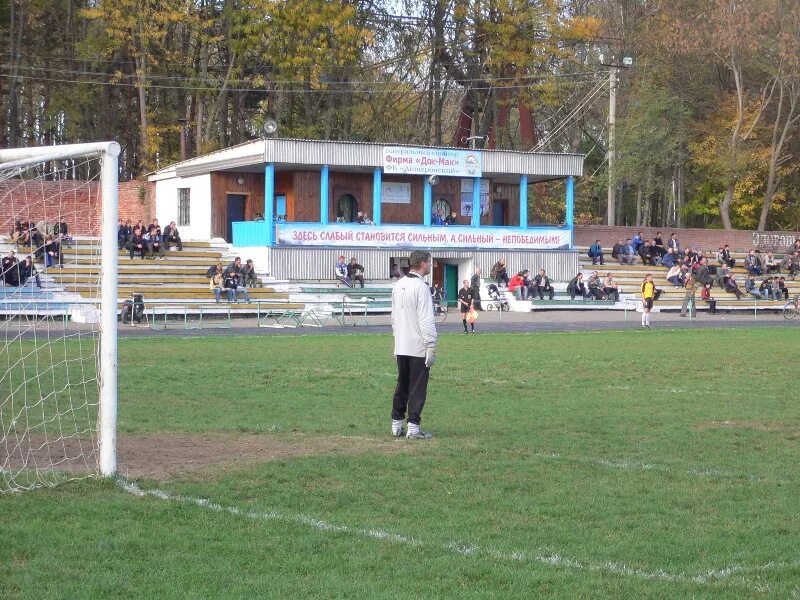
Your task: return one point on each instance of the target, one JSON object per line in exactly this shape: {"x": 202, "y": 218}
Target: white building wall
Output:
{"x": 199, "y": 227}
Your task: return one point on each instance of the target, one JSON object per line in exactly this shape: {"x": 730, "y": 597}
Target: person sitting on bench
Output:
{"x": 217, "y": 284}
{"x": 576, "y": 286}
{"x": 124, "y": 232}
{"x": 610, "y": 287}
{"x": 596, "y": 253}
{"x": 595, "y": 287}
{"x": 543, "y": 285}
{"x": 27, "y": 270}
{"x": 171, "y": 236}
{"x": 231, "y": 285}
{"x": 137, "y": 243}
{"x": 153, "y": 240}
{"x": 730, "y": 285}
{"x": 10, "y": 266}
{"x": 236, "y": 268}
{"x": 705, "y": 296}
{"x": 340, "y": 269}
{"x": 355, "y": 272}
{"x": 516, "y": 285}
{"x": 53, "y": 256}
{"x": 248, "y": 274}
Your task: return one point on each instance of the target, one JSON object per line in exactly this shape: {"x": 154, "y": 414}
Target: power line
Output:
{"x": 209, "y": 82}
{"x": 208, "y": 88}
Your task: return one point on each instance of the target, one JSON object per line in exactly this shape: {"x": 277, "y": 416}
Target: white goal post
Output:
{"x": 14, "y": 163}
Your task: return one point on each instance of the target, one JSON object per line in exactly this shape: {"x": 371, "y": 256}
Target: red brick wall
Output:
{"x": 77, "y": 203}
{"x": 137, "y": 200}
{"x": 703, "y": 239}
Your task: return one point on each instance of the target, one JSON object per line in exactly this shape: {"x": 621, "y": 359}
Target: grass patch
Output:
{"x": 616, "y": 464}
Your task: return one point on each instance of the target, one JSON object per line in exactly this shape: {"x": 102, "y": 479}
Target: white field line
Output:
{"x": 464, "y": 549}
{"x": 632, "y": 465}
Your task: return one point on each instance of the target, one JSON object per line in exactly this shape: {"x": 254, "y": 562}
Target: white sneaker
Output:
{"x": 418, "y": 435}
{"x": 397, "y": 429}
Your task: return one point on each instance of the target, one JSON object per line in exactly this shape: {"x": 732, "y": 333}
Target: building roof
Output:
{"x": 361, "y": 155}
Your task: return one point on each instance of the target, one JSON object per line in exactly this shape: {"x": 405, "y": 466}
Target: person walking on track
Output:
{"x": 465, "y": 304}
{"x": 414, "y": 329}
{"x": 649, "y": 295}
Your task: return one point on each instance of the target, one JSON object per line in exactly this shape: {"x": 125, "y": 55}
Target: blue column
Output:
{"x": 523, "y": 201}
{"x": 324, "y": 211}
{"x": 269, "y": 202}
{"x": 376, "y": 196}
{"x": 569, "y": 216}
{"x": 427, "y": 201}
{"x": 476, "y": 201}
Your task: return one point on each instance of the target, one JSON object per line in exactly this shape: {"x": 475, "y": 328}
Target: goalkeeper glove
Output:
{"x": 430, "y": 357}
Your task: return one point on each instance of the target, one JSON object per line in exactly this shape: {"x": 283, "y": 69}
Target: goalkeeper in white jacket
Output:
{"x": 414, "y": 331}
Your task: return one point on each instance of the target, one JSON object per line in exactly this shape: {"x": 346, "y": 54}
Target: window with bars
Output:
{"x": 444, "y": 206}
{"x": 183, "y": 207}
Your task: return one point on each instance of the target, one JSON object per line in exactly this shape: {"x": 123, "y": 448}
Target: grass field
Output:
{"x": 626, "y": 464}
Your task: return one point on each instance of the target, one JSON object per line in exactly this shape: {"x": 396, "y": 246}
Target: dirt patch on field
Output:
{"x": 165, "y": 456}
{"x": 162, "y": 456}
{"x": 765, "y": 426}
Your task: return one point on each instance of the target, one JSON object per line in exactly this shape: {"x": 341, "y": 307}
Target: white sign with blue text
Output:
{"x": 416, "y": 236}
{"x": 445, "y": 162}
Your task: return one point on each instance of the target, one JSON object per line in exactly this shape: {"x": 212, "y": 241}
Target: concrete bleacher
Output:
{"x": 176, "y": 284}
{"x": 630, "y": 278}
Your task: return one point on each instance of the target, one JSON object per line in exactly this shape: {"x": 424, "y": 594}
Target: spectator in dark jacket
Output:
{"x": 576, "y": 287}
{"x": 658, "y": 245}
{"x": 752, "y": 263}
{"x": 674, "y": 244}
{"x": 53, "y": 256}
{"x": 644, "y": 253}
{"x": 234, "y": 289}
{"x": 782, "y": 287}
{"x": 153, "y": 240}
{"x": 668, "y": 260}
{"x": 355, "y": 272}
{"x": 596, "y": 253}
{"x": 724, "y": 256}
{"x": 234, "y": 267}
{"x": 27, "y": 270}
{"x": 124, "y": 234}
{"x": 499, "y": 272}
{"x": 10, "y": 266}
{"x": 248, "y": 274}
{"x": 595, "y": 287}
{"x": 137, "y": 243}
{"x": 618, "y": 252}
{"x": 172, "y": 236}
{"x": 543, "y": 285}
{"x": 475, "y": 284}
{"x": 730, "y": 286}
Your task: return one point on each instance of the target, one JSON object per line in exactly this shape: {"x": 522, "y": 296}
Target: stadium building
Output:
{"x": 316, "y": 189}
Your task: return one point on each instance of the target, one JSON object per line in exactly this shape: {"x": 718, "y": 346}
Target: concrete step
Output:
{"x": 84, "y": 251}
{"x": 172, "y": 292}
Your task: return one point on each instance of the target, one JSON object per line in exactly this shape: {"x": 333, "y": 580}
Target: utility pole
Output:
{"x": 611, "y": 207}
{"x": 612, "y": 122}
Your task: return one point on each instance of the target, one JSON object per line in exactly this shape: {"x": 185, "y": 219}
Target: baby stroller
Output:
{"x": 133, "y": 310}
{"x": 497, "y": 301}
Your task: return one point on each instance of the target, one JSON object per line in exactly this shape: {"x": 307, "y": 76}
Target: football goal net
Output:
{"x": 58, "y": 314}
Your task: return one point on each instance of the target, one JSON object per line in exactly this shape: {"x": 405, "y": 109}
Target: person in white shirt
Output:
{"x": 675, "y": 276}
{"x": 414, "y": 330}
